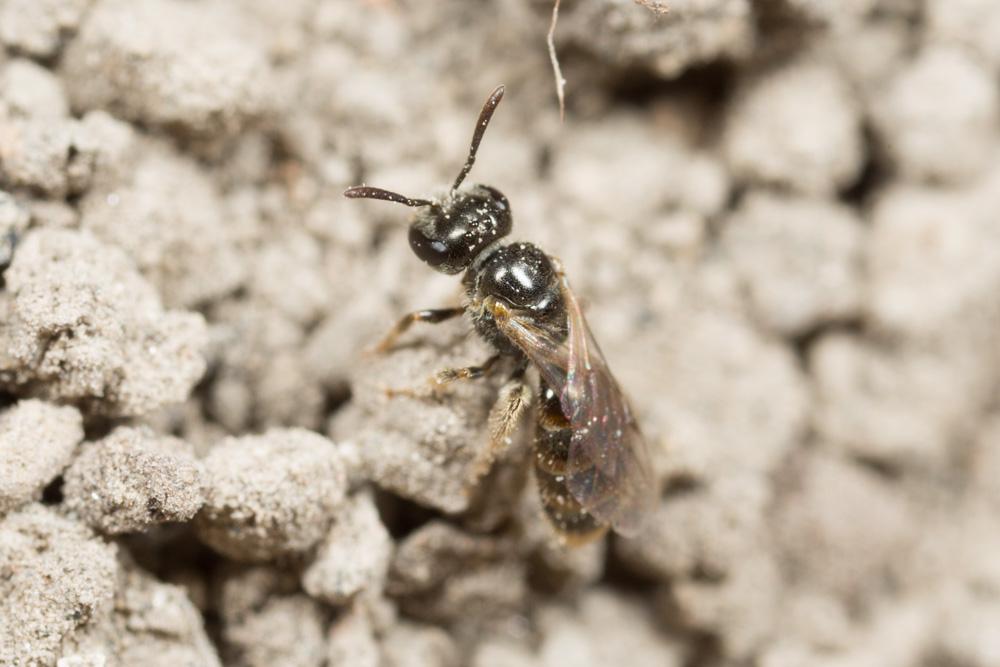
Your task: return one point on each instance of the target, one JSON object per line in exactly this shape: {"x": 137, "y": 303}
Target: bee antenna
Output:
{"x": 484, "y": 119}
{"x": 365, "y": 192}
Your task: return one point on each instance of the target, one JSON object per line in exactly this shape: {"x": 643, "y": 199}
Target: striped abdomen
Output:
{"x": 552, "y": 439}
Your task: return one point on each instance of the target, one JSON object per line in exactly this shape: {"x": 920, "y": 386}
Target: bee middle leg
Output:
{"x": 437, "y": 382}
{"x": 468, "y": 373}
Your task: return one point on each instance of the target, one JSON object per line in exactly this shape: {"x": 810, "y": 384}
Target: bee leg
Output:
{"x": 512, "y": 402}
{"x": 448, "y": 375}
{"x": 432, "y": 316}
{"x": 436, "y": 383}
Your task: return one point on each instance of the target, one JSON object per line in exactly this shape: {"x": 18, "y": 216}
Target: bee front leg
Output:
{"x": 432, "y": 316}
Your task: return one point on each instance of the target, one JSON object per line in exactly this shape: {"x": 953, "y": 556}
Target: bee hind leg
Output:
{"x": 512, "y": 402}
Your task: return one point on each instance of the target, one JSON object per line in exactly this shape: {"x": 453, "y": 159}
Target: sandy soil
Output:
{"x": 781, "y": 215}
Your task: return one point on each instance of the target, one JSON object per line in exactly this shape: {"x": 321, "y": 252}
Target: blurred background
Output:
{"x": 781, "y": 218}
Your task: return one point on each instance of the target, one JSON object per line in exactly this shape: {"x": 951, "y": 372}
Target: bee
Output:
{"x": 591, "y": 462}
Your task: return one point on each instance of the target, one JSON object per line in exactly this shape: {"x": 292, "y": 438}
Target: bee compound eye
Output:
{"x": 430, "y": 250}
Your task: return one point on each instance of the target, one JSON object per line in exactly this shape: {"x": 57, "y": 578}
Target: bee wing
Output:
{"x": 608, "y": 471}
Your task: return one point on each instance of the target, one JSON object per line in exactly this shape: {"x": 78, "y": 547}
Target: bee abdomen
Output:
{"x": 552, "y": 439}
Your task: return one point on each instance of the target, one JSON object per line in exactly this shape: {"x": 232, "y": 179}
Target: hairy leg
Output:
{"x": 512, "y": 402}
{"x": 437, "y": 382}
{"x": 468, "y": 373}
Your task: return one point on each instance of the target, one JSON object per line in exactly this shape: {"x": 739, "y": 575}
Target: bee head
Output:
{"x": 449, "y": 233}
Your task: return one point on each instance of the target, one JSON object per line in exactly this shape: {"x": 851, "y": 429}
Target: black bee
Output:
{"x": 591, "y": 462}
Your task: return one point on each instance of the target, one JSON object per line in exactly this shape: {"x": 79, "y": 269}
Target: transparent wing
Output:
{"x": 609, "y": 469}
{"x": 610, "y": 472}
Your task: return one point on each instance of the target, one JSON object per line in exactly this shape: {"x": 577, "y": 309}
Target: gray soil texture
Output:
{"x": 781, "y": 217}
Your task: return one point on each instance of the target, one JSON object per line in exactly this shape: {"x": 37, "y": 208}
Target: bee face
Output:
{"x": 449, "y": 236}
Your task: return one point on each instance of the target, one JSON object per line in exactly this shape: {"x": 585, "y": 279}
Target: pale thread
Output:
{"x": 560, "y": 81}
{"x": 653, "y": 5}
